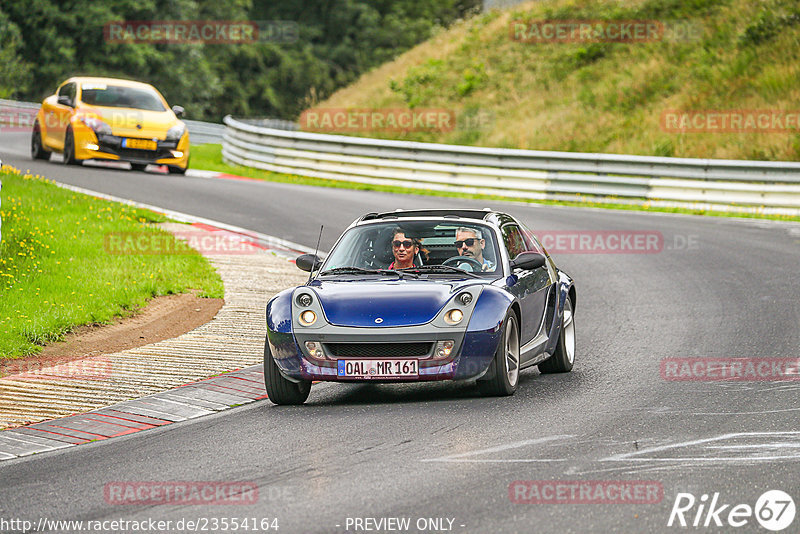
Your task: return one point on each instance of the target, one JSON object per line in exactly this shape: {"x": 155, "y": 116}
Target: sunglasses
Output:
{"x": 407, "y": 243}
{"x": 469, "y": 242}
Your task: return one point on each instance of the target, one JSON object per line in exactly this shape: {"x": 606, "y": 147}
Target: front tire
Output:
{"x": 176, "y": 170}
{"x": 139, "y": 167}
{"x": 504, "y": 369}
{"x": 69, "y": 148}
{"x": 279, "y": 389}
{"x": 563, "y": 358}
{"x": 37, "y": 148}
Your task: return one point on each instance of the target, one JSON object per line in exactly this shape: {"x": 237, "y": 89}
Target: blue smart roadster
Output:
{"x": 422, "y": 295}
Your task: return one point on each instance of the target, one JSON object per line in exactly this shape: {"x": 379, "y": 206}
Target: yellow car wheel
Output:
{"x": 69, "y": 148}
{"x": 37, "y": 148}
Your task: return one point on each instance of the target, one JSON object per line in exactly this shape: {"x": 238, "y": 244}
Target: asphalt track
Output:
{"x": 719, "y": 288}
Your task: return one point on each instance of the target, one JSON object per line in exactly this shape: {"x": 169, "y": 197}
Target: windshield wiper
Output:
{"x": 359, "y": 270}
{"x": 443, "y": 268}
{"x": 350, "y": 270}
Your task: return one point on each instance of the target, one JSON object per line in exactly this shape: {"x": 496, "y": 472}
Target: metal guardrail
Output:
{"x": 277, "y": 124}
{"x": 765, "y": 186}
{"x": 199, "y": 132}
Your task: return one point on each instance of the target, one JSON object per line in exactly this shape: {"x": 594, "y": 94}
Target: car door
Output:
{"x": 57, "y": 115}
{"x": 531, "y": 286}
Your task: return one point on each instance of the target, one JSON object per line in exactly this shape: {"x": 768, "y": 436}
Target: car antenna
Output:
{"x": 316, "y": 250}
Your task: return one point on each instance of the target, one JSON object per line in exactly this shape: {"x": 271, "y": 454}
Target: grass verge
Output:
{"x": 209, "y": 157}
{"x": 55, "y": 271}
{"x": 715, "y": 56}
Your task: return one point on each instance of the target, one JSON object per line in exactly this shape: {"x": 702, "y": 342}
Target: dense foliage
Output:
{"x": 43, "y": 42}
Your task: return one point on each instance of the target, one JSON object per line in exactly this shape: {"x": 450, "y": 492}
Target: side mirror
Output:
{"x": 308, "y": 262}
{"x": 64, "y": 100}
{"x": 528, "y": 260}
{"x": 178, "y": 111}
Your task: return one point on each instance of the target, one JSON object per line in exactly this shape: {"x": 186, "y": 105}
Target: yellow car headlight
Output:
{"x": 176, "y": 132}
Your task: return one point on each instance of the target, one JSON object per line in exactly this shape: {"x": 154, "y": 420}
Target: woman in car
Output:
{"x": 405, "y": 249}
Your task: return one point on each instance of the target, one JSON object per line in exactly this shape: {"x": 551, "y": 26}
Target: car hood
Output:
{"x": 385, "y": 303}
{"x": 126, "y": 122}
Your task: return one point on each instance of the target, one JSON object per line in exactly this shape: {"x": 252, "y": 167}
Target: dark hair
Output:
{"x": 417, "y": 241}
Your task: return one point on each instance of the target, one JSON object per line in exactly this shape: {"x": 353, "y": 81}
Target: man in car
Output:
{"x": 470, "y": 243}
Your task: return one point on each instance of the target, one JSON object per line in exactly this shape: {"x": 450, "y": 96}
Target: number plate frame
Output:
{"x": 139, "y": 144}
{"x": 369, "y": 369}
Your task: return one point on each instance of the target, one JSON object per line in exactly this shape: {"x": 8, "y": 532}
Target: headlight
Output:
{"x": 465, "y": 298}
{"x": 443, "y": 349}
{"x": 315, "y": 349}
{"x": 307, "y": 318}
{"x": 453, "y": 316}
{"x": 98, "y": 126}
{"x": 304, "y": 300}
{"x": 176, "y": 132}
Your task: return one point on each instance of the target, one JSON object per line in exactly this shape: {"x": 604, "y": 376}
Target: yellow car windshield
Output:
{"x": 116, "y": 96}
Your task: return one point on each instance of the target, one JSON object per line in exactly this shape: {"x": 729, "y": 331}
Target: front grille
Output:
{"x": 112, "y": 144}
{"x": 379, "y": 350}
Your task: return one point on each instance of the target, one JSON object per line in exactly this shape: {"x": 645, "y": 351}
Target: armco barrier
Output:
{"x": 756, "y": 186}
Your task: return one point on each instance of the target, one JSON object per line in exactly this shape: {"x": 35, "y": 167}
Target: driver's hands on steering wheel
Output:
{"x": 464, "y": 262}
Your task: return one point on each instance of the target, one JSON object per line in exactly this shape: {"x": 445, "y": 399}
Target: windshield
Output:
{"x": 431, "y": 247}
{"x": 117, "y": 96}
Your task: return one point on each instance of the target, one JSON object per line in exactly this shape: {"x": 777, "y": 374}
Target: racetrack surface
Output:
{"x": 719, "y": 288}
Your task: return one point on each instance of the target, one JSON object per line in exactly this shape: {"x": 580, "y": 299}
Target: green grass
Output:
{"x": 601, "y": 97}
{"x": 209, "y": 157}
{"x": 55, "y": 271}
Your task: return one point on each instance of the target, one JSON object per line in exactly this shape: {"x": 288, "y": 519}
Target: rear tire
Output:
{"x": 37, "y": 148}
{"x": 504, "y": 369}
{"x": 69, "y": 148}
{"x": 563, "y": 358}
{"x": 279, "y": 389}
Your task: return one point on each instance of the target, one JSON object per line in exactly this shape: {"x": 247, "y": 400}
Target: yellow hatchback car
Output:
{"x": 111, "y": 119}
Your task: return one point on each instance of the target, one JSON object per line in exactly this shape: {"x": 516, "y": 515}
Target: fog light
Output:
{"x": 92, "y": 146}
{"x": 443, "y": 349}
{"x": 315, "y": 349}
{"x": 307, "y": 318}
{"x": 453, "y": 316}
{"x": 176, "y": 153}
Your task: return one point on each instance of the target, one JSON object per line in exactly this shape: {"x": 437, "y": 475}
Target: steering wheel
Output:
{"x": 475, "y": 265}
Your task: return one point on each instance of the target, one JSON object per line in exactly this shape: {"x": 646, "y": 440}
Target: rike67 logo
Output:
{"x": 774, "y": 510}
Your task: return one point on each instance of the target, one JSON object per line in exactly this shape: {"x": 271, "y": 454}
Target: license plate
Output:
{"x": 378, "y": 368}
{"x": 141, "y": 144}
